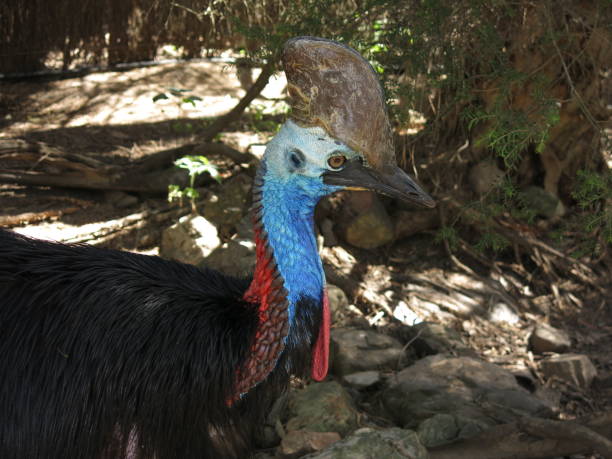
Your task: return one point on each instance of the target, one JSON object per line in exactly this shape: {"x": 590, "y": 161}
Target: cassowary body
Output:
{"x": 104, "y": 350}
{"x": 107, "y": 354}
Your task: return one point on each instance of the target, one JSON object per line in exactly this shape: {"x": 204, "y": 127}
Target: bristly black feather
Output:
{"x": 108, "y": 354}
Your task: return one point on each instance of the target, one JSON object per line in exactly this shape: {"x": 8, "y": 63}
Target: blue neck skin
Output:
{"x": 288, "y": 212}
{"x": 292, "y": 185}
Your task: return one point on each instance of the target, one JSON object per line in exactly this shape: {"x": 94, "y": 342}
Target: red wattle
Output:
{"x": 320, "y": 352}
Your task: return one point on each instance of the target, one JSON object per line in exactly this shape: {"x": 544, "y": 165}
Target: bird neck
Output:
{"x": 284, "y": 227}
{"x": 287, "y": 269}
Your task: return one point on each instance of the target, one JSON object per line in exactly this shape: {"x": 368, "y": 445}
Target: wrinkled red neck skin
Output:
{"x": 320, "y": 351}
{"x": 258, "y": 292}
{"x": 263, "y": 292}
{"x": 267, "y": 293}
{"x": 261, "y": 286}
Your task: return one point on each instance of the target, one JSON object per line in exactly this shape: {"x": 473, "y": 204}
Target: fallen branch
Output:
{"x": 560, "y": 430}
{"x": 531, "y": 438}
{"x": 165, "y": 158}
{"x": 38, "y": 164}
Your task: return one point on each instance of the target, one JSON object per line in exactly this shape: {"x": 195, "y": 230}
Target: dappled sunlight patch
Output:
{"x": 127, "y": 97}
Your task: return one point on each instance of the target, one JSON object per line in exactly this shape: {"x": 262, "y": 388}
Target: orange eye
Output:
{"x": 336, "y": 162}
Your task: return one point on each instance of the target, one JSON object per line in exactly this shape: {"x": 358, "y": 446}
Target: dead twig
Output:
{"x": 33, "y": 217}
{"x": 406, "y": 346}
{"x": 531, "y": 438}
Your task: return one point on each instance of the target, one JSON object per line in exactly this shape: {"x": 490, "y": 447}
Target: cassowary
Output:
{"x": 108, "y": 354}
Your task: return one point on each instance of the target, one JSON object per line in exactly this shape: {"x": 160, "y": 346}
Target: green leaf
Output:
{"x": 190, "y": 100}
{"x": 160, "y": 96}
{"x": 191, "y": 193}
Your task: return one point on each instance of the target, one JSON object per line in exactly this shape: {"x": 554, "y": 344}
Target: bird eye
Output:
{"x": 336, "y": 161}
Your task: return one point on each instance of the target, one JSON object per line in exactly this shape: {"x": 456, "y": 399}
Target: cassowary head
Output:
{"x": 339, "y": 135}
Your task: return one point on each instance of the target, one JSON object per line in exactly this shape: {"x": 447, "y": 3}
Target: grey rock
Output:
{"x": 365, "y": 222}
{"x": 517, "y": 401}
{"x": 362, "y": 350}
{"x": 227, "y": 208}
{"x": 327, "y": 230}
{"x": 322, "y": 407}
{"x": 338, "y": 302}
{"x": 501, "y": 312}
{"x": 366, "y": 443}
{"x": 469, "y": 427}
{"x": 576, "y": 369}
{"x": 471, "y": 372}
{"x": 408, "y": 223}
{"x": 410, "y": 406}
{"x": 542, "y": 202}
{"x": 484, "y": 176}
{"x": 438, "y": 430}
{"x": 190, "y": 240}
{"x": 433, "y": 338}
{"x": 549, "y": 396}
{"x": 362, "y": 379}
{"x": 546, "y": 338}
{"x": 478, "y": 393}
{"x": 244, "y": 229}
{"x": 235, "y": 258}
{"x": 300, "y": 442}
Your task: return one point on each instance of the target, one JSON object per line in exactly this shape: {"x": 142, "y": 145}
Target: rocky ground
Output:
{"x": 432, "y": 356}
{"x": 422, "y": 357}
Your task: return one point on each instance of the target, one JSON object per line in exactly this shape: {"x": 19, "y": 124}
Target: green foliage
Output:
{"x": 195, "y": 166}
{"x": 593, "y": 192}
{"x": 592, "y": 187}
{"x": 510, "y": 132}
{"x": 449, "y": 235}
{"x": 454, "y": 57}
{"x": 493, "y": 241}
{"x": 179, "y": 96}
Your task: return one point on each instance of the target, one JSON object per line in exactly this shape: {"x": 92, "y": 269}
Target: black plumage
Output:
{"x": 109, "y": 354}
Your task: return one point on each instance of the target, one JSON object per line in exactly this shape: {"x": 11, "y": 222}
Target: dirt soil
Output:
{"x": 112, "y": 115}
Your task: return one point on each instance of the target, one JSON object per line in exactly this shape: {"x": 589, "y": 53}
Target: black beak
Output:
{"x": 392, "y": 181}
